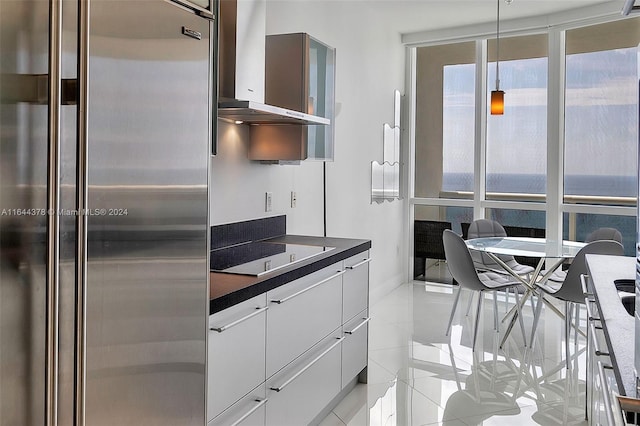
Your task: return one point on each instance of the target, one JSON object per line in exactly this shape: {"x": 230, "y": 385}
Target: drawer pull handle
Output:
{"x": 596, "y": 345}
{"x": 366, "y": 320}
{"x": 238, "y": 321}
{"x": 590, "y": 315}
{"x": 365, "y": 260}
{"x": 308, "y": 366}
{"x": 260, "y": 403}
{"x": 304, "y": 290}
{"x": 585, "y": 287}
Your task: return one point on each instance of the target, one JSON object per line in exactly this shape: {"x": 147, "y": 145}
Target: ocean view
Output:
{"x": 614, "y": 186}
{"x": 611, "y": 186}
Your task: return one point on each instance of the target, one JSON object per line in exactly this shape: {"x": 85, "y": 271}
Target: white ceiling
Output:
{"x": 409, "y": 16}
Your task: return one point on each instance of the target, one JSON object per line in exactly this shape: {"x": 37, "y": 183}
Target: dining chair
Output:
{"x": 604, "y": 234}
{"x": 481, "y": 228}
{"x": 570, "y": 290}
{"x": 599, "y": 234}
{"x": 462, "y": 269}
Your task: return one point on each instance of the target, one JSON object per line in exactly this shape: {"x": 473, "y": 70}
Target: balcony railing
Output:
{"x": 596, "y": 200}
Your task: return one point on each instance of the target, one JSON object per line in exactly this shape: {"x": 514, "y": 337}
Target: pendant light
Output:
{"x": 497, "y": 96}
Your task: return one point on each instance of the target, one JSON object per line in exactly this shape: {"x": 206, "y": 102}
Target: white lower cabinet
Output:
{"x": 301, "y": 313}
{"x": 236, "y": 353}
{"x": 355, "y": 292}
{"x": 354, "y": 347}
{"x": 249, "y": 411}
{"x": 280, "y": 358}
{"x": 303, "y": 388}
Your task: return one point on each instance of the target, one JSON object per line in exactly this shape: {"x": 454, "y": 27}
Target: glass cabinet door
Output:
{"x": 321, "y": 99}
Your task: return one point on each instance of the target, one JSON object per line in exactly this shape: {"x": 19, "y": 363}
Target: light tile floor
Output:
{"x": 419, "y": 376}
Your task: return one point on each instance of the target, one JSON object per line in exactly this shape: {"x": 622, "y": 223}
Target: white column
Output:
{"x": 555, "y": 139}
{"x": 480, "y": 137}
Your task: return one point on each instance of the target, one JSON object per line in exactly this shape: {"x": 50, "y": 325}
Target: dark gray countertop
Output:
{"x": 618, "y": 325}
{"x": 227, "y": 290}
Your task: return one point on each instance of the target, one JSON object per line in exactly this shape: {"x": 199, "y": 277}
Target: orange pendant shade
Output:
{"x": 497, "y": 102}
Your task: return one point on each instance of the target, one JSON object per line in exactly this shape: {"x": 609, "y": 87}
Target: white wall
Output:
{"x": 369, "y": 67}
{"x": 239, "y": 186}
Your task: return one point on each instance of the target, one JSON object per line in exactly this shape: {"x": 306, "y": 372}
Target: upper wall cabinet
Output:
{"x": 300, "y": 75}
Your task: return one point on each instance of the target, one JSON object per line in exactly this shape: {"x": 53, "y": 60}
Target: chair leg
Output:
{"x": 506, "y": 300}
{"x": 532, "y": 302}
{"x": 453, "y": 309}
{"x": 567, "y": 330}
{"x": 495, "y": 311}
{"x": 576, "y": 325}
{"x": 520, "y": 319}
{"x": 475, "y": 328}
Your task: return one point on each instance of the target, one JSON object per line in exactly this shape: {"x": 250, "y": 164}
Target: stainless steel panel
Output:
{"x": 24, "y": 34}
{"x": 147, "y": 273}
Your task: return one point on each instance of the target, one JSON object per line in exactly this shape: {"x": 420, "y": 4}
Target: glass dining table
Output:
{"x": 551, "y": 254}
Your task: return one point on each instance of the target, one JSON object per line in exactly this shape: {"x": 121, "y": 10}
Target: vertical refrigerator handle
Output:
{"x": 82, "y": 192}
{"x": 53, "y": 220}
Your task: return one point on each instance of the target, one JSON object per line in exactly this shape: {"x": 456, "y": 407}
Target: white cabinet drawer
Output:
{"x": 355, "y": 285}
{"x": 301, "y": 390}
{"x": 301, "y": 314}
{"x": 249, "y": 411}
{"x": 354, "y": 347}
{"x": 236, "y": 353}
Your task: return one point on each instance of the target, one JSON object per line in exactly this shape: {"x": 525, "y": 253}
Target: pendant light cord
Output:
{"x": 498, "y": 46}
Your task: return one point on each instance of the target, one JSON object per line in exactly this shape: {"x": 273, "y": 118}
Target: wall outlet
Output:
{"x": 294, "y": 199}
{"x": 268, "y": 202}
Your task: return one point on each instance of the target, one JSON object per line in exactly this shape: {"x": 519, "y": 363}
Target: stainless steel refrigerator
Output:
{"x": 105, "y": 135}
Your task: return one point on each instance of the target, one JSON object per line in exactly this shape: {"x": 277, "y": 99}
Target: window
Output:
{"x": 577, "y": 226}
{"x": 601, "y": 112}
{"x": 458, "y": 115}
{"x": 517, "y": 140}
{"x": 445, "y": 109}
{"x": 600, "y": 123}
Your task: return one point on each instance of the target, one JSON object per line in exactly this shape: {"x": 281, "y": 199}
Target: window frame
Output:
{"x": 553, "y": 202}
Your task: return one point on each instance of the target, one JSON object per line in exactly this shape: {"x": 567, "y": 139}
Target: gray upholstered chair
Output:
{"x": 599, "y": 234}
{"x": 570, "y": 290}
{"x": 464, "y": 272}
{"x": 604, "y": 234}
{"x": 480, "y": 228}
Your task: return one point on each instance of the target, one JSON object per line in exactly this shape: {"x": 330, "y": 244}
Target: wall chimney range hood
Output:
{"x": 258, "y": 113}
{"x": 242, "y": 29}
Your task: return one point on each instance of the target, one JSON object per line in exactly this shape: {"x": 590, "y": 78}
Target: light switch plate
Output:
{"x": 268, "y": 202}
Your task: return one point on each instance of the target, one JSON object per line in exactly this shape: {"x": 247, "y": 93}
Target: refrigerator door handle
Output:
{"x": 82, "y": 193}
{"x": 53, "y": 220}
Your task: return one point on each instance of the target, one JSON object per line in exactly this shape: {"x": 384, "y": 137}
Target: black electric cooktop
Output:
{"x": 261, "y": 257}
